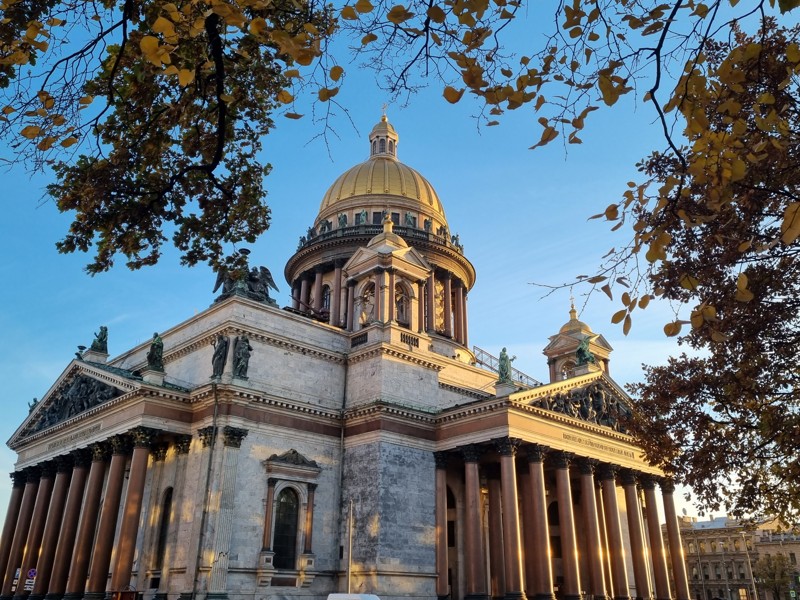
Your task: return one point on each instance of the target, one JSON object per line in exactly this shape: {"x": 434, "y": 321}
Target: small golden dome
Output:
{"x": 574, "y": 324}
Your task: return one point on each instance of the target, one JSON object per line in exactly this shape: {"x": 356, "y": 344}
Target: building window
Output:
{"x": 718, "y": 572}
{"x": 692, "y": 548}
{"x": 695, "y": 574}
{"x": 326, "y": 298}
{"x": 702, "y": 547}
{"x": 737, "y": 545}
{"x": 391, "y": 147}
{"x": 401, "y": 303}
{"x": 374, "y": 146}
{"x": 284, "y": 543}
{"x": 382, "y": 146}
{"x": 163, "y": 529}
{"x": 377, "y": 218}
{"x": 792, "y": 558}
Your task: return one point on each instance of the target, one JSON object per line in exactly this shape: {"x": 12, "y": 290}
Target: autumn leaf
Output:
{"x": 452, "y": 95}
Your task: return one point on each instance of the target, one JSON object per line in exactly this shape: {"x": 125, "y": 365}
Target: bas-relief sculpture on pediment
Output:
{"x": 74, "y": 397}
{"x": 594, "y": 403}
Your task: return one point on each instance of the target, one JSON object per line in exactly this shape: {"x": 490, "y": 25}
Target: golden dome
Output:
{"x": 383, "y": 175}
{"x": 574, "y": 324}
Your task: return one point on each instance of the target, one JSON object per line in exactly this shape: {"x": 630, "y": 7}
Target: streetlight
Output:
{"x": 750, "y": 565}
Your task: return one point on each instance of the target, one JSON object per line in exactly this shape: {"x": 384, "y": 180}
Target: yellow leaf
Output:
{"x": 793, "y": 53}
{"x": 644, "y": 301}
{"x": 744, "y": 295}
{"x": 452, "y": 95}
{"x": 258, "y": 25}
{"x": 349, "y": 13}
{"x": 741, "y": 282}
{"x": 185, "y": 77}
{"x": 163, "y": 26}
{"x": 790, "y": 227}
{"x": 626, "y": 326}
{"x": 399, "y": 14}
{"x": 326, "y": 94}
{"x": 370, "y": 37}
{"x": 149, "y": 47}
{"x": 607, "y": 291}
{"x": 787, "y": 5}
{"x": 8, "y": 110}
{"x": 619, "y": 316}
{"x": 58, "y": 120}
{"x": 364, "y": 6}
{"x": 672, "y": 329}
{"x": 717, "y": 336}
{"x": 46, "y": 143}
{"x": 226, "y": 98}
{"x": 336, "y": 73}
{"x": 689, "y": 283}
{"x": 292, "y": 116}
{"x": 86, "y": 100}
{"x": 292, "y": 73}
{"x": 436, "y": 14}
{"x": 31, "y": 131}
{"x": 284, "y": 97}
{"x": 70, "y": 141}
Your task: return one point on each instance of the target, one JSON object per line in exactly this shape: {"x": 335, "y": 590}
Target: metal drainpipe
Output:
{"x": 203, "y": 517}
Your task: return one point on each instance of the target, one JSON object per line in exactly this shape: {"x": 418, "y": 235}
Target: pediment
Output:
{"x": 595, "y": 399}
{"x": 81, "y": 388}
{"x": 292, "y": 465}
{"x": 405, "y": 260}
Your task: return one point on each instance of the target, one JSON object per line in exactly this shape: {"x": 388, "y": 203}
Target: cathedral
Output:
{"x": 352, "y": 441}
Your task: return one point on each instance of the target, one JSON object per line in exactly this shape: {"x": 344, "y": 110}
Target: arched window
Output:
{"x": 401, "y": 302}
{"x": 391, "y": 147}
{"x": 326, "y": 298}
{"x": 374, "y": 146}
{"x": 163, "y": 529}
{"x": 366, "y": 305}
{"x": 382, "y": 146}
{"x": 691, "y": 548}
{"x": 284, "y": 542}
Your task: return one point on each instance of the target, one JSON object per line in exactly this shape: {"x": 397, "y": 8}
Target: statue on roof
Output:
{"x": 100, "y": 342}
{"x": 504, "y": 367}
{"x": 582, "y": 354}
{"x": 255, "y": 284}
{"x": 155, "y": 356}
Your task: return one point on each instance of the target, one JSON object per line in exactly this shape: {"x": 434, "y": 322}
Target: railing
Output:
{"x": 409, "y": 233}
{"x": 483, "y": 358}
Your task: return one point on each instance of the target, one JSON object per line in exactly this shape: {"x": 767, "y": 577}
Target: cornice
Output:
{"x": 275, "y": 402}
{"x": 382, "y": 407}
{"x": 385, "y": 350}
{"x": 465, "y": 391}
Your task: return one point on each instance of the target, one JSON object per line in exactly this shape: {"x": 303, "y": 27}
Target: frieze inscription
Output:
{"x": 576, "y": 439}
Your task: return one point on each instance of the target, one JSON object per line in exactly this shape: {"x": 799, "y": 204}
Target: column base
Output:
{"x": 217, "y": 596}
{"x": 476, "y": 597}
{"x": 186, "y": 596}
{"x": 515, "y": 596}
{"x": 71, "y": 596}
{"x": 36, "y": 597}
{"x": 622, "y": 598}
{"x": 94, "y": 596}
{"x": 54, "y": 596}
{"x": 550, "y": 596}
{"x": 573, "y": 597}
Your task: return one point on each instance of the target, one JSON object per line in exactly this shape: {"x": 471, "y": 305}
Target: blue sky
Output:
{"x": 520, "y": 214}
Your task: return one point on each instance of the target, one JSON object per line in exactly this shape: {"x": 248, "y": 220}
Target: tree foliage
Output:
{"x": 720, "y": 238}
{"x": 774, "y": 573}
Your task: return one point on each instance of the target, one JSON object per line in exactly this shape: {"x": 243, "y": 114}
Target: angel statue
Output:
{"x": 255, "y": 284}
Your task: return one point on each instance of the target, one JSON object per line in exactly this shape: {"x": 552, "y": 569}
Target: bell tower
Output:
{"x": 571, "y": 346}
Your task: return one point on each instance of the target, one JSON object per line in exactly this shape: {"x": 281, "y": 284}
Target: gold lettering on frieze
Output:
{"x": 570, "y": 437}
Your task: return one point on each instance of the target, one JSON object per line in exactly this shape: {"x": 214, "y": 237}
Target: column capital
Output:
{"x": 628, "y": 477}
{"x": 142, "y": 436}
{"x": 667, "y": 485}
{"x": 560, "y": 459}
{"x": 536, "y": 452}
{"x": 159, "y": 452}
{"x": 33, "y": 474}
{"x": 207, "y": 435}
{"x": 471, "y": 452}
{"x": 442, "y": 459}
{"x": 271, "y": 481}
{"x": 182, "y": 443}
{"x": 587, "y": 466}
{"x": 64, "y": 463}
{"x": 648, "y": 481}
{"x": 232, "y": 436}
{"x": 48, "y": 469}
{"x": 311, "y": 487}
{"x": 82, "y": 457}
{"x": 120, "y": 444}
{"x": 18, "y": 478}
{"x": 507, "y": 446}
{"x": 100, "y": 451}
{"x": 607, "y": 471}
